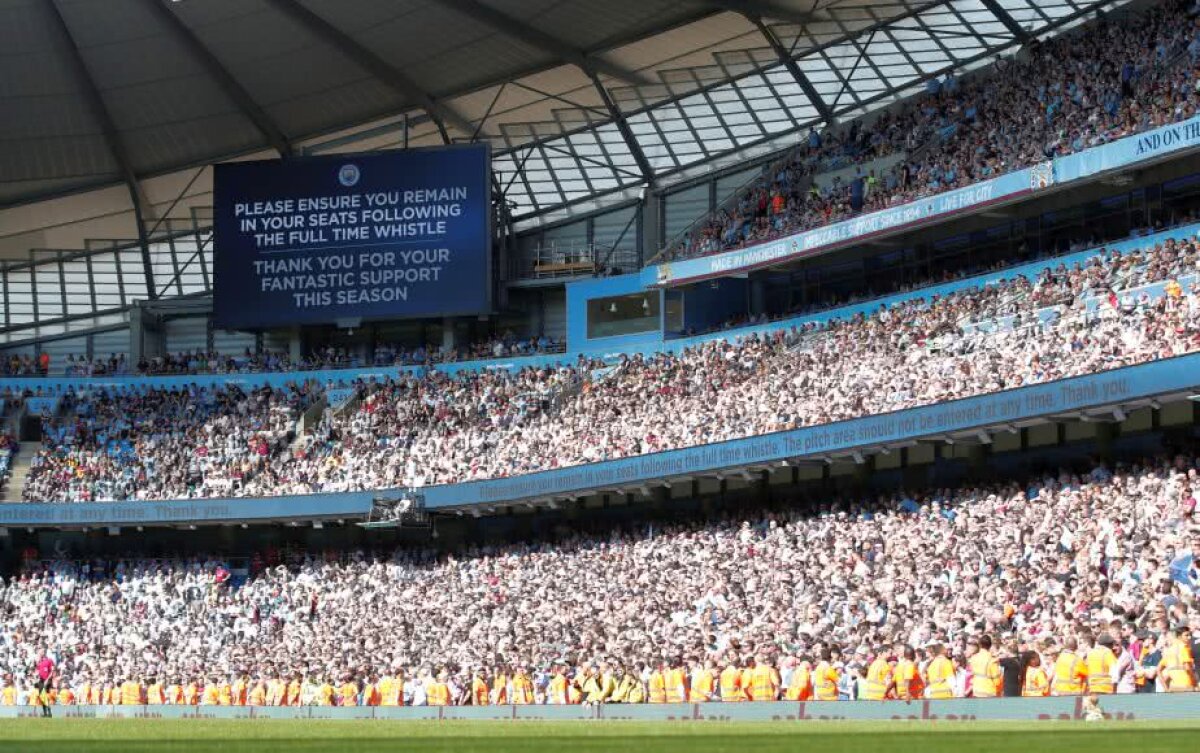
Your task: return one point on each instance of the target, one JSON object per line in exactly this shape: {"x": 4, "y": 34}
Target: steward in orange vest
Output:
{"x": 1070, "y": 673}
{"x": 764, "y": 681}
{"x": 731, "y": 684}
{"x": 825, "y": 678}
{"x": 880, "y": 684}
{"x": 1099, "y": 662}
{"x": 676, "y": 683}
{"x": 909, "y": 685}
{"x": 800, "y": 683}
{"x": 1178, "y": 667}
{"x": 704, "y": 683}
{"x": 1035, "y": 683}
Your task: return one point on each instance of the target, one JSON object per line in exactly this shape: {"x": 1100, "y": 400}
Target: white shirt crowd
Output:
{"x": 162, "y": 443}
{"x": 1033, "y": 565}
{"x": 435, "y": 429}
{"x": 438, "y": 430}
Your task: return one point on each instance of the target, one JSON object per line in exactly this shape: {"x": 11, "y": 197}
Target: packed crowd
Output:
{"x": 1070, "y": 321}
{"x": 826, "y": 298}
{"x": 1102, "y": 82}
{"x": 436, "y": 428}
{"x": 162, "y": 443}
{"x": 1064, "y": 583}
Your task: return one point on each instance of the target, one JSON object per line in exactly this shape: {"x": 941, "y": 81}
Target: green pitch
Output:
{"x": 292, "y": 736}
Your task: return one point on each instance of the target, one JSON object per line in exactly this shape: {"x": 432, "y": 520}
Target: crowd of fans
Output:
{"x": 162, "y": 443}
{"x": 1064, "y": 583}
{"x": 826, "y": 298}
{"x": 1103, "y": 82}
{"x": 415, "y": 432}
{"x": 435, "y": 428}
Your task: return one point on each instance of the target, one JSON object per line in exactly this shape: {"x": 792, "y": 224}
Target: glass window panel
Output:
{"x": 49, "y": 292}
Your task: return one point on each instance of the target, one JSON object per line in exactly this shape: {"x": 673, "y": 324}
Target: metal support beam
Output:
{"x": 789, "y": 62}
{"x": 263, "y": 122}
{"x": 626, "y": 132}
{"x": 763, "y": 8}
{"x": 112, "y": 138}
{"x": 1009, "y": 22}
{"x": 440, "y": 113}
{"x": 591, "y": 67}
{"x": 516, "y": 29}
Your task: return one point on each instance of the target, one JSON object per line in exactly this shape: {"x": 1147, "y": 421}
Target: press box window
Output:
{"x": 623, "y": 315}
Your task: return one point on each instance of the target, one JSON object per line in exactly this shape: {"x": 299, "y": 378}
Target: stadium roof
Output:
{"x": 580, "y": 98}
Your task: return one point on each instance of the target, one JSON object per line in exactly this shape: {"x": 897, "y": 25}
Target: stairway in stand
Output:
{"x": 18, "y": 470}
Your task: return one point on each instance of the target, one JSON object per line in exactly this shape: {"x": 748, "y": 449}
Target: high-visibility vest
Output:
{"x": 294, "y": 690}
{"x": 1176, "y": 668}
{"x": 558, "y": 690}
{"x": 703, "y": 685}
{"x": 1100, "y": 661}
{"x": 154, "y": 695}
{"x": 479, "y": 692}
{"x": 825, "y": 683}
{"x": 676, "y": 686}
{"x": 658, "y": 687}
{"x": 391, "y": 691}
{"x": 66, "y": 697}
{"x": 731, "y": 685}
{"x": 764, "y": 685}
{"x": 257, "y": 695}
{"x": 500, "y": 689}
{"x": 8, "y": 696}
{"x": 371, "y": 694}
{"x": 941, "y": 678}
{"x": 1069, "y": 674}
{"x": 637, "y": 694}
{"x": 879, "y": 675}
{"x": 174, "y": 694}
{"x": 191, "y": 694}
{"x": 131, "y": 693}
{"x": 324, "y": 694}
{"x": 746, "y": 677}
{"x": 348, "y": 694}
{"x": 986, "y": 679}
{"x": 1037, "y": 685}
{"x": 800, "y": 684}
{"x": 908, "y": 680}
{"x": 438, "y": 694}
{"x": 522, "y": 690}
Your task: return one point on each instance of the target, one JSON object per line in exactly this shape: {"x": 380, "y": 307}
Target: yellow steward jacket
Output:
{"x": 879, "y": 676}
{"x": 1099, "y": 663}
{"x": 1070, "y": 674}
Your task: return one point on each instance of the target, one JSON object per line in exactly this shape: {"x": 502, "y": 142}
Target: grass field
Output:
{"x": 304, "y": 736}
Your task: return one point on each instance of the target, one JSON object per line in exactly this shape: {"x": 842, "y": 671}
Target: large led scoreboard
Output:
{"x": 352, "y": 237}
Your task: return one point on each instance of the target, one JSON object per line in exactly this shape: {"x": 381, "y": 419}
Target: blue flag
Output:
{"x": 1183, "y": 570}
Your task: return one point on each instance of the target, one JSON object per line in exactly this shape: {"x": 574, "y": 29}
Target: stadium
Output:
{"x": 487, "y": 374}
